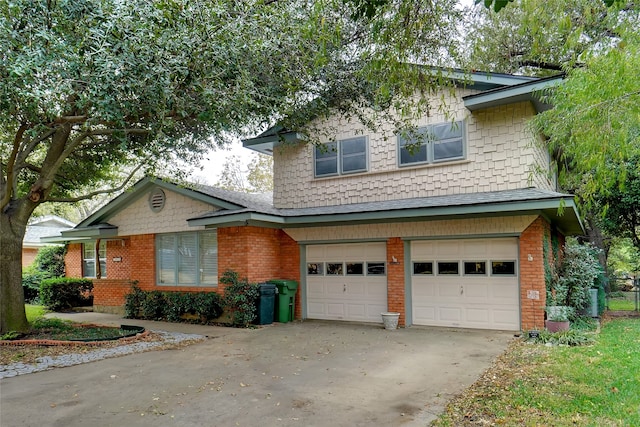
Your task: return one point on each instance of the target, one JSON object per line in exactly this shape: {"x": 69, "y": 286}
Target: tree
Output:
{"x": 538, "y": 37}
{"x": 498, "y": 5}
{"x": 257, "y": 178}
{"x": 620, "y": 204}
{"x": 594, "y": 127}
{"x": 96, "y": 92}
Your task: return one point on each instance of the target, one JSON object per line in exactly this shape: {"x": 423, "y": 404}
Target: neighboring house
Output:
{"x": 43, "y": 226}
{"x": 449, "y": 233}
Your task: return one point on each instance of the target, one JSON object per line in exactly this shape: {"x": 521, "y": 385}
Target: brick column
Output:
{"x": 395, "y": 278}
{"x": 532, "y": 274}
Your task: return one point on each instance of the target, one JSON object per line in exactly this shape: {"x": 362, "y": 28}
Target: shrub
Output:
{"x": 133, "y": 302}
{"x": 31, "y": 280}
{"x": 153, "y": 306}
{"x": 65, "y": 292}
{"x": 49, "y": 263}
{"x": 572, "y": 337}
{"x": 207, "y": 305}
{"x": 172, "y": 306}
{"x": 51, "y": 260}
{"x": 577, "y": 272}
{"x": 240, "y": 298}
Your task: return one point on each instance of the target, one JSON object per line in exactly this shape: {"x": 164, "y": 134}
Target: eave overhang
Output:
{"x": 560, "y": 211}
{"x": 100, "y": 231}
{"x": 268, "y": 141}
{"x": 529, "y": 91}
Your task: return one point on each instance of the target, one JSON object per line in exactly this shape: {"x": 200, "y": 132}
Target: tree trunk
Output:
{"x": 597, "y": 238}
{"x": 12, "y": 313}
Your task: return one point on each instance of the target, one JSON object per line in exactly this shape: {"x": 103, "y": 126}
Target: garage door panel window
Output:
{"x": 422, "y": 268}
{"x": 355, "y": 269}
{"x": 376, "y": 269}
{"x": 315, "y": 268}
{"x": 477, "y": 268}
{"x": 503, "y": 268}
{"x": 334, "y": 268}
{"x": 448, "y": 268}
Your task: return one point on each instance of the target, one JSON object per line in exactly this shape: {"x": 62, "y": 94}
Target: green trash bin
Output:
{"x": 285, "y": 306}
{"x": 265, "y": 304}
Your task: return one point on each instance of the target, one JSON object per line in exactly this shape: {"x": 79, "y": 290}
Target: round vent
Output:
{"x": 156, "y": 200}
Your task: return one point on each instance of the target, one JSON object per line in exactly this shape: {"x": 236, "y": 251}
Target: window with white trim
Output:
{"x": 187, "y": 259}
{"x": 342, "y": 157}
{"x": 89, "y": 259}
{"x": 432, "y": 144}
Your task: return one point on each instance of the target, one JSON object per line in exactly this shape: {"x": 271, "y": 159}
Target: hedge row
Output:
{"x": 172, "y": 306}
{"x": 239, "y": 301}
{"x": 62, "y": 293}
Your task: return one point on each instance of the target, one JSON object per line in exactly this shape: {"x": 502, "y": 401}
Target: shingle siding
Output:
{"x": 501, "y": 155}
{"x": 138, "y": 218}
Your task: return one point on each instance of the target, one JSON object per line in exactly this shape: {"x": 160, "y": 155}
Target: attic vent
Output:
{"x": 156, "y": 200}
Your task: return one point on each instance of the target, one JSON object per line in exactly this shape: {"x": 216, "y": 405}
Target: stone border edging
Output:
{"x": 49, "y": 343}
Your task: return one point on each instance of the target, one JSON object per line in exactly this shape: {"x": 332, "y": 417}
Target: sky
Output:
{"x": 216, "y": 159}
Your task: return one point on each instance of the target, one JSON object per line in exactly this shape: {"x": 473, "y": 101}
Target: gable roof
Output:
{"x": 44, "y": 226}
{"x": 496, "y": 89}
{"x": 97, "y": 226}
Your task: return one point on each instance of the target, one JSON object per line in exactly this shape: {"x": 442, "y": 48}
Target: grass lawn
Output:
{"x": 34, "y": 311}
{"x": 621, "y": 304}
{"x": 534, "y": 385}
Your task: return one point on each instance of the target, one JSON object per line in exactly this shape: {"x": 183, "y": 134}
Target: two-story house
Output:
{"x": 448, "y": 229}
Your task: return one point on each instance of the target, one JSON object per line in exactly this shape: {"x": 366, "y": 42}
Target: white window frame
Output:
{"x": 89, "y": 248}
{"x": 429, "y": 143}
{"x": 175, "y": 253}
{"x": 337, "y": 147}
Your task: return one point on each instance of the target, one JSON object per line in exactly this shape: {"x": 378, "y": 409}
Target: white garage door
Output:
{"x": 466, "y": 283}
{"x": 347, "y": 281}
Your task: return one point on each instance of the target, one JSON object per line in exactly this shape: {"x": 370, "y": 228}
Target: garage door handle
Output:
{"x": 461, "y": 290}
{"x": 344, "y": 288}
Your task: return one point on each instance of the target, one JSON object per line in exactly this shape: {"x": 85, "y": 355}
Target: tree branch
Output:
{"x": 98, "y": 192}
{"x": 8, "y": 190}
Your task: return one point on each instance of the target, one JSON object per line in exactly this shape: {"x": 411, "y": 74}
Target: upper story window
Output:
{"x": 187, "y": 259}
{"x": 89, "y": 259}
{"x": 341, "y": 157}
{"x": 432, "y": 144}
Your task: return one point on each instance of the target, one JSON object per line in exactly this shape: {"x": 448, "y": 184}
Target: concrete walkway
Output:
{"x": 116, "y": 320}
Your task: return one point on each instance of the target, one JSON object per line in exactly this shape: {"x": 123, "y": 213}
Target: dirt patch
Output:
{"x": 616, "y": 314}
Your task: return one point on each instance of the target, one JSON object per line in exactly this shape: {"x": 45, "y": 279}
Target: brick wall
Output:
{"x": 28, "y": 256}
{"x": 142, "y": 253}
{"x": 118, "y": 259}
{"x": 395, "y": 278}
{"x": 259, "y": 254}
{"x": 73, "y": 260}
{"x": 532, "y": 274}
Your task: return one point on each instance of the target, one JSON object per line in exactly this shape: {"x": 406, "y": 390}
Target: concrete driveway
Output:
{"x": 295, "y": 374}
